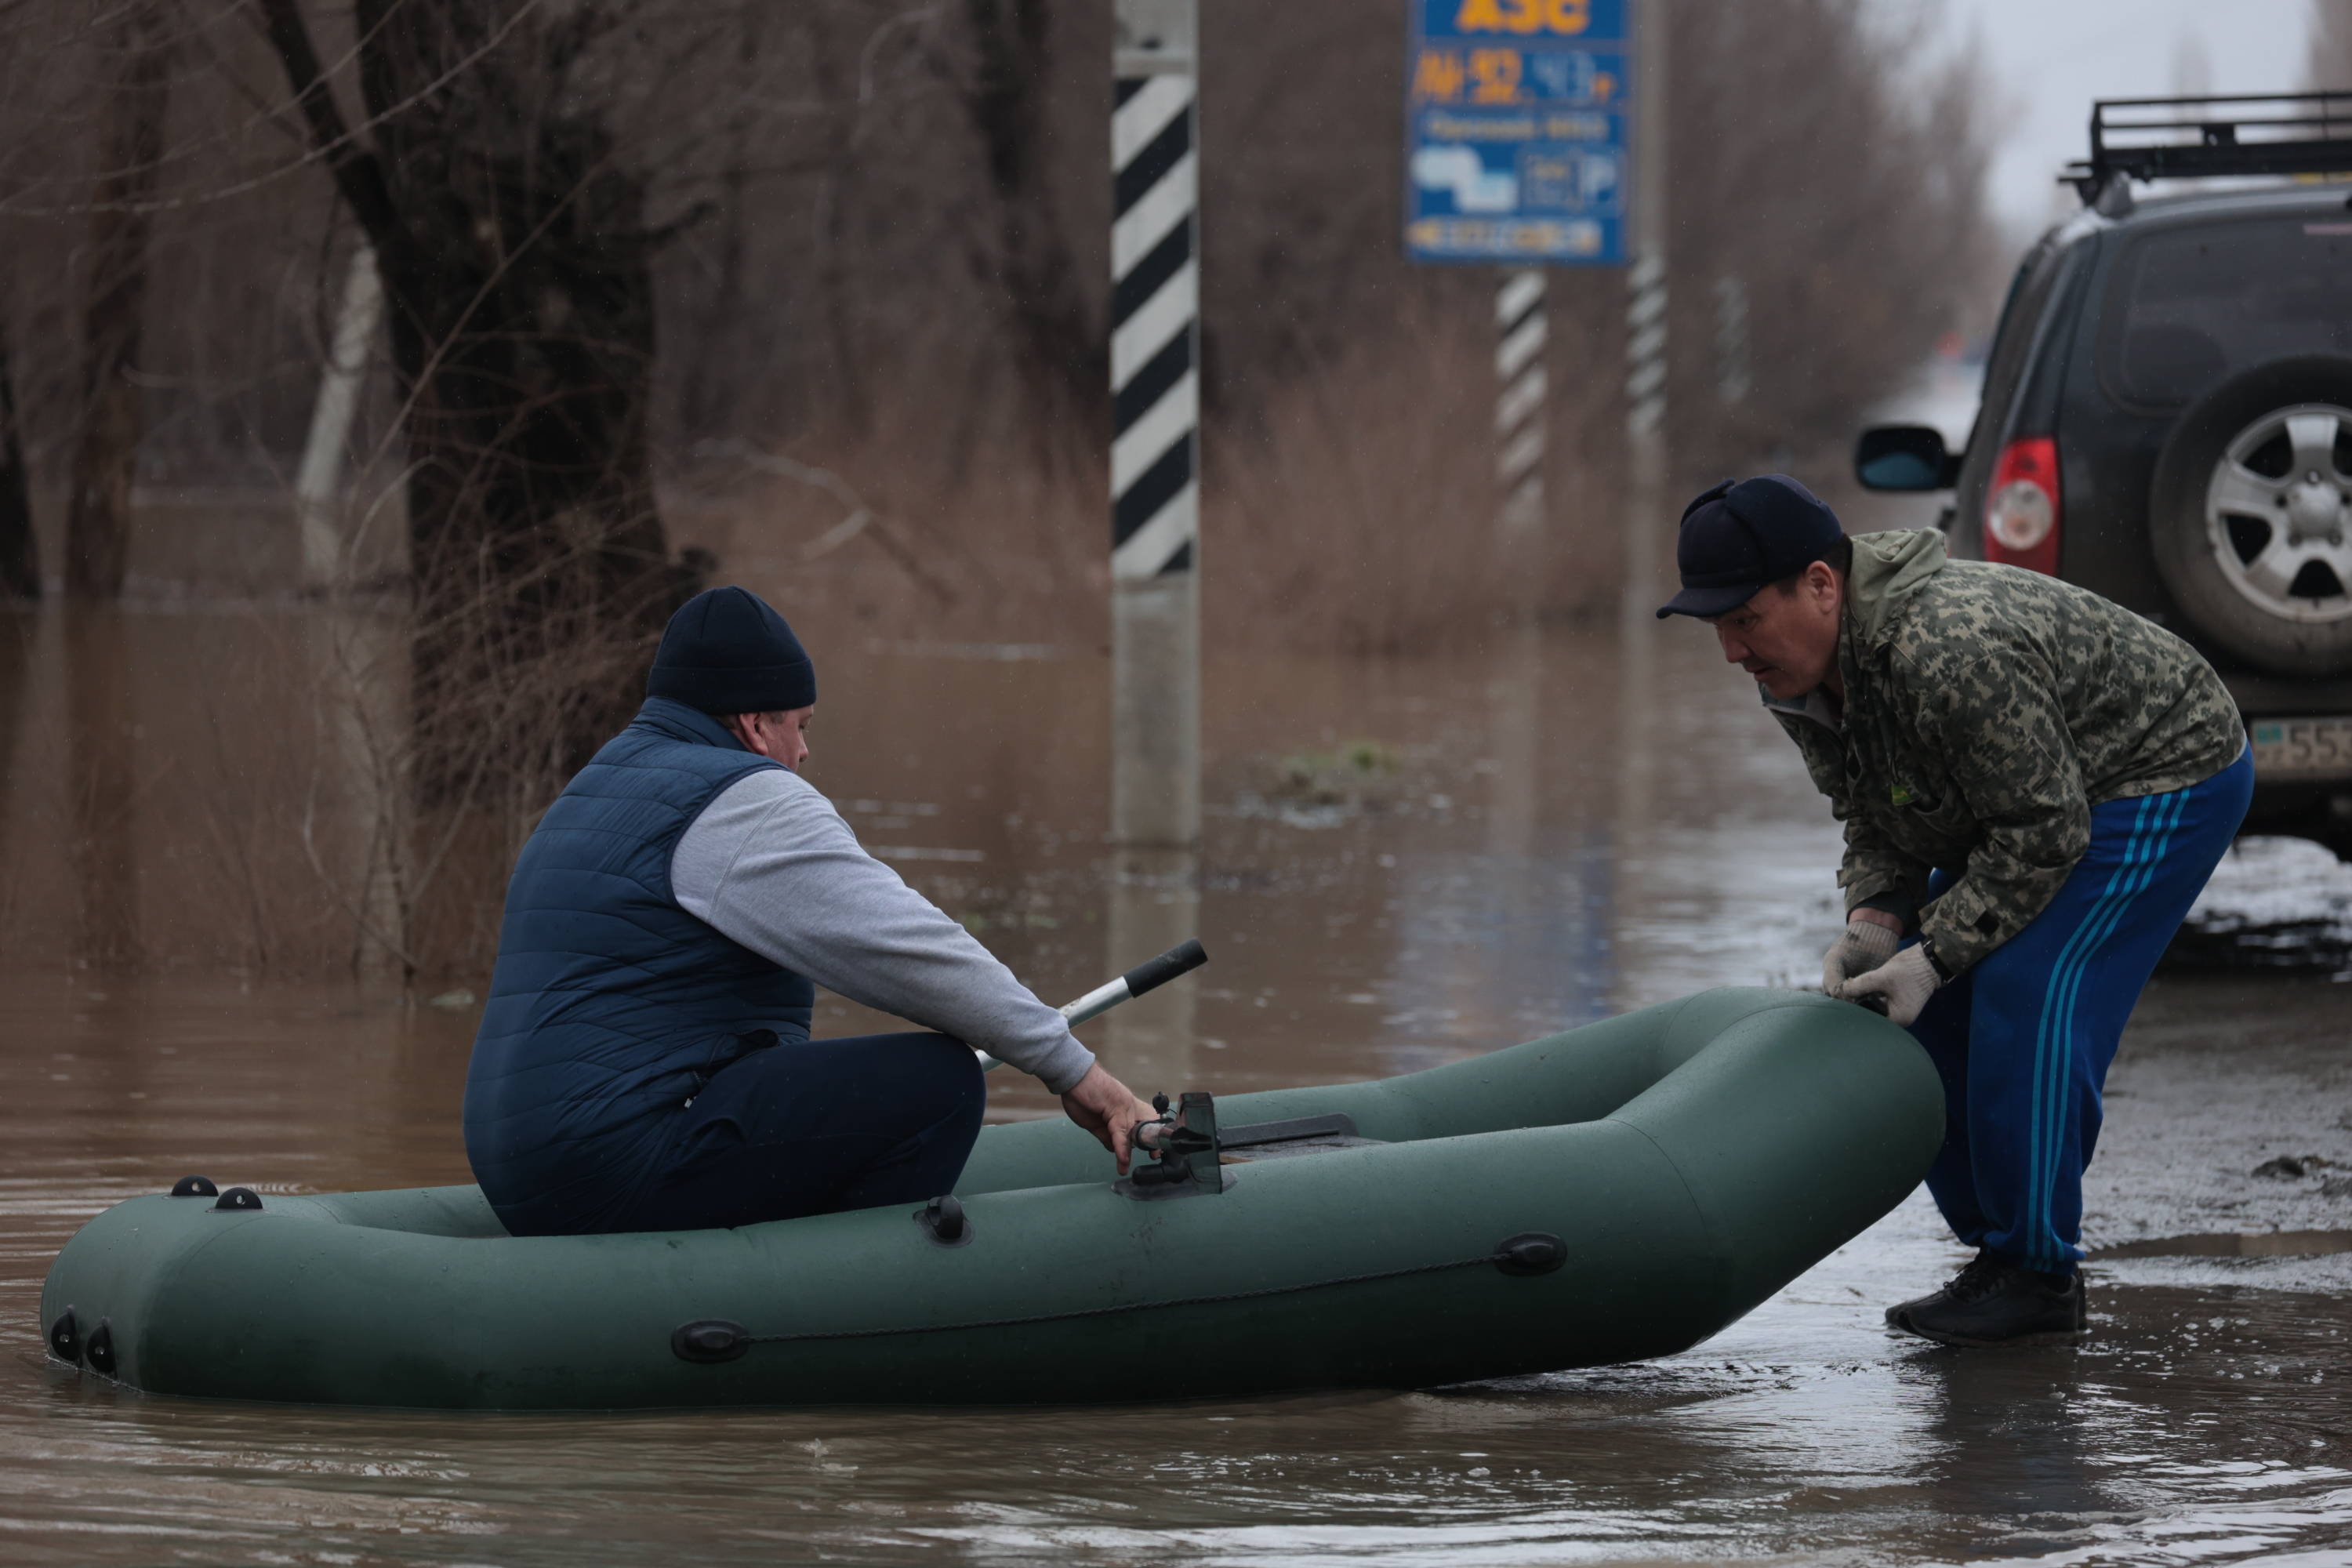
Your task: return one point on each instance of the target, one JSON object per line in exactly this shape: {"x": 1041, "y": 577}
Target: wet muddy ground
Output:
{"x": 1536, "y": 838}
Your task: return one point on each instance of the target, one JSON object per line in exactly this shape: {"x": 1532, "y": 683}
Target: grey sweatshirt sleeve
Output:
{"x": 771, "y": 864}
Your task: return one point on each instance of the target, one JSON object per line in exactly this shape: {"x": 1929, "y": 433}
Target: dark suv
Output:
{"x": 2167, "y": 420}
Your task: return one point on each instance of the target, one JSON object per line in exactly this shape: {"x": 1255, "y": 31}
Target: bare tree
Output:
{"x": 1062, "y": 356}
{"x": 707, "y": 395}
{"x": 1851, "y": 215}
{"x": 97, "y": 523}
{"x": 896, "y": 328}
{"x": 20, "y": 563}
{"x": 517, "y": 260}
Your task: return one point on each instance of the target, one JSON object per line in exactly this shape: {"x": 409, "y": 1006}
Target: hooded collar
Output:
{"x": 1813, "y": 705}
{"x": 1888, "y": 569}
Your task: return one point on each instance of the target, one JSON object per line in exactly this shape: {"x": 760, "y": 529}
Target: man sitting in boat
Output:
{"x": 2035, "y": 785}
{"x": 644, "y": 1062}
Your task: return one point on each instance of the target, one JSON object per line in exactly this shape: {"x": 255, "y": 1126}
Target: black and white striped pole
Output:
{"x": 1155, "y": 510}
{"x": 1647, "y": 539}
{"x": 1519, "y": 402}
{"x": 1650, "y": 522}
{"x": 1732, "y": 378}
{"x": 1515, "y": 687}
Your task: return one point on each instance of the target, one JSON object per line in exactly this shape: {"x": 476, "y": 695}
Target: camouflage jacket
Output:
{"x": 1987, "y": 710}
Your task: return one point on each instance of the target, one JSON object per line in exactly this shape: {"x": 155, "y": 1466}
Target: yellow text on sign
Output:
{"x": 1495, "y": 76}
{"x": 1525, "y": 17}
{"x": 1492, "y": 75}
{"x": 1438, "y": 79}
{"x": 1489, "y": 76}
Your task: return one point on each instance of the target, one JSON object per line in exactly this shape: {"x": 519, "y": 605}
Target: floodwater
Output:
{"x": 1550, "y": 833}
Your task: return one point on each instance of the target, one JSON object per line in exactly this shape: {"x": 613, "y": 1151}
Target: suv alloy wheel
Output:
{"x": 2252, "y": 519}
{"x": 2294, "y": 560}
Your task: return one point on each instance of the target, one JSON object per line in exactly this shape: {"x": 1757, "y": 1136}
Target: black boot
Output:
{"x": 1994, "y": 1302}
{"x": 1982, "y": 1261}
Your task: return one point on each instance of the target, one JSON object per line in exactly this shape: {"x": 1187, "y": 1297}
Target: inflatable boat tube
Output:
{"x": 1622, "y": 1191}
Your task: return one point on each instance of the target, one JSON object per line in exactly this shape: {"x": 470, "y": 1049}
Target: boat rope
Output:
{"x": 717, "y": 1339}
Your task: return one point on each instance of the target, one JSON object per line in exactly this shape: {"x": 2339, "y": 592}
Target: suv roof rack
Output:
{"x": 2190, "y": 138}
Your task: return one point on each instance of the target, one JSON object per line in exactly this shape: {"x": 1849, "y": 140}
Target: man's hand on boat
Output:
{"x": 1105, "y": 1108}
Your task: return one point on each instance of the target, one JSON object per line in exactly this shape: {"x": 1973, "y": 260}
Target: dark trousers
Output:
{"x": 816, "y": 1127}
{"x": 2023, "y": 1040}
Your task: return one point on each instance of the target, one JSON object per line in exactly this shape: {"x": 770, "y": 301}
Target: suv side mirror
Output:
{"x": 1905, "y": 457}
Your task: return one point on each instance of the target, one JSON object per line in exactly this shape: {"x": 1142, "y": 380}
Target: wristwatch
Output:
{"x": 1935, "y": 961}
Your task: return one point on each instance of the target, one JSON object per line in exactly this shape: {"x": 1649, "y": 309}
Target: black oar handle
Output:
{"x": 1152, "y": 972}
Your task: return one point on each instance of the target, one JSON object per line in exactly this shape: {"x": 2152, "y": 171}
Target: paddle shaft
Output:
{"x": 1149, "y": 976}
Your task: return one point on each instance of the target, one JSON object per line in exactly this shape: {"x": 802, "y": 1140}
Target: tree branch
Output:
{"x": 356, "y": 172}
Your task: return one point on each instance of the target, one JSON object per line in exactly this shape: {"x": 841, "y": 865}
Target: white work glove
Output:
{"x": 1906, "y": 981}
{"x": 1866, "y": 945}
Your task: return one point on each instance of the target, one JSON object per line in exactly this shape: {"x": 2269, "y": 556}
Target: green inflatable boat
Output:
{"x": 1621, "y": 1191}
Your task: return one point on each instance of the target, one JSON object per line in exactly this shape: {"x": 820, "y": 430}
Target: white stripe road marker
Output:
{"x": 1153, "y": 545}
{"x": 1171, "y": 419}
{"x": 1512, "y": 301}
{"x": 1519, "y": 399}
{"x": 1522, "y": 454}
{"x": 1155, "y": 321}
{"x": 1148, "y": 221}
{"x": 1511, "y": 357}
{"x": 1134, "y": 123}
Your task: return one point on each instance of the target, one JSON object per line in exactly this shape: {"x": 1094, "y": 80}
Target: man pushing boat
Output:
{"x": 644, "y": 1062}
{"x": 2035, "y": 785}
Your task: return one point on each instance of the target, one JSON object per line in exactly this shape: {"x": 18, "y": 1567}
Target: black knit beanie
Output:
{"x": 726, "y": 651}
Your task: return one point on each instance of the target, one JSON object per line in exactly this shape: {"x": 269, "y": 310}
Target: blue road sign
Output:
{"x": 1518, "y": 114}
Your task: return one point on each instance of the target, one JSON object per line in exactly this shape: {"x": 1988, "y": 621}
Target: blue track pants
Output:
{"x": 2023, "y": 1039}
{"x": 817, "y": 1127}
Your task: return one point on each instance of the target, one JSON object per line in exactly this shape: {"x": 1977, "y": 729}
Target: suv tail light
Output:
{"x": 2021, "y": 516}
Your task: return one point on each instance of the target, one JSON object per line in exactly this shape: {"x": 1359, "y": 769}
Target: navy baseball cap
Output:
{"x": 1743, "y": 534}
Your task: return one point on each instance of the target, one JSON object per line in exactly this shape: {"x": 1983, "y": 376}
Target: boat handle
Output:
{"x": 1149, "y": 976}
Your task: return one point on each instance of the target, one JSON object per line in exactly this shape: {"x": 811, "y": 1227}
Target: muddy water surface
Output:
{"x": 1541, "y": 837}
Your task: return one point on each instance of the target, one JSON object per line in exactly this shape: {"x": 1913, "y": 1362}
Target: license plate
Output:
{"x": 2303, "y": 748}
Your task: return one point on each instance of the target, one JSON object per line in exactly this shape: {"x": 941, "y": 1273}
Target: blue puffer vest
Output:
{"x": 611, "y": 1006}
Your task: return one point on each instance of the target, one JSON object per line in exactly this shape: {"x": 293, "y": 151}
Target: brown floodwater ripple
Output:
{"x": 2202, "y": 1422}
{"x": 1547, "y": 848}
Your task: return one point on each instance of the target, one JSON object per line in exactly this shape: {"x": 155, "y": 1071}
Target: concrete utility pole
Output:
{"x": 1155, "y": 522}
{"x": 1515, "y": 690}
{"x": 1646, "y": 546}
{"x": 1649, "y": 547}
{"x": 1520, "y": 418}
{"x": 1733, "y": 380}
